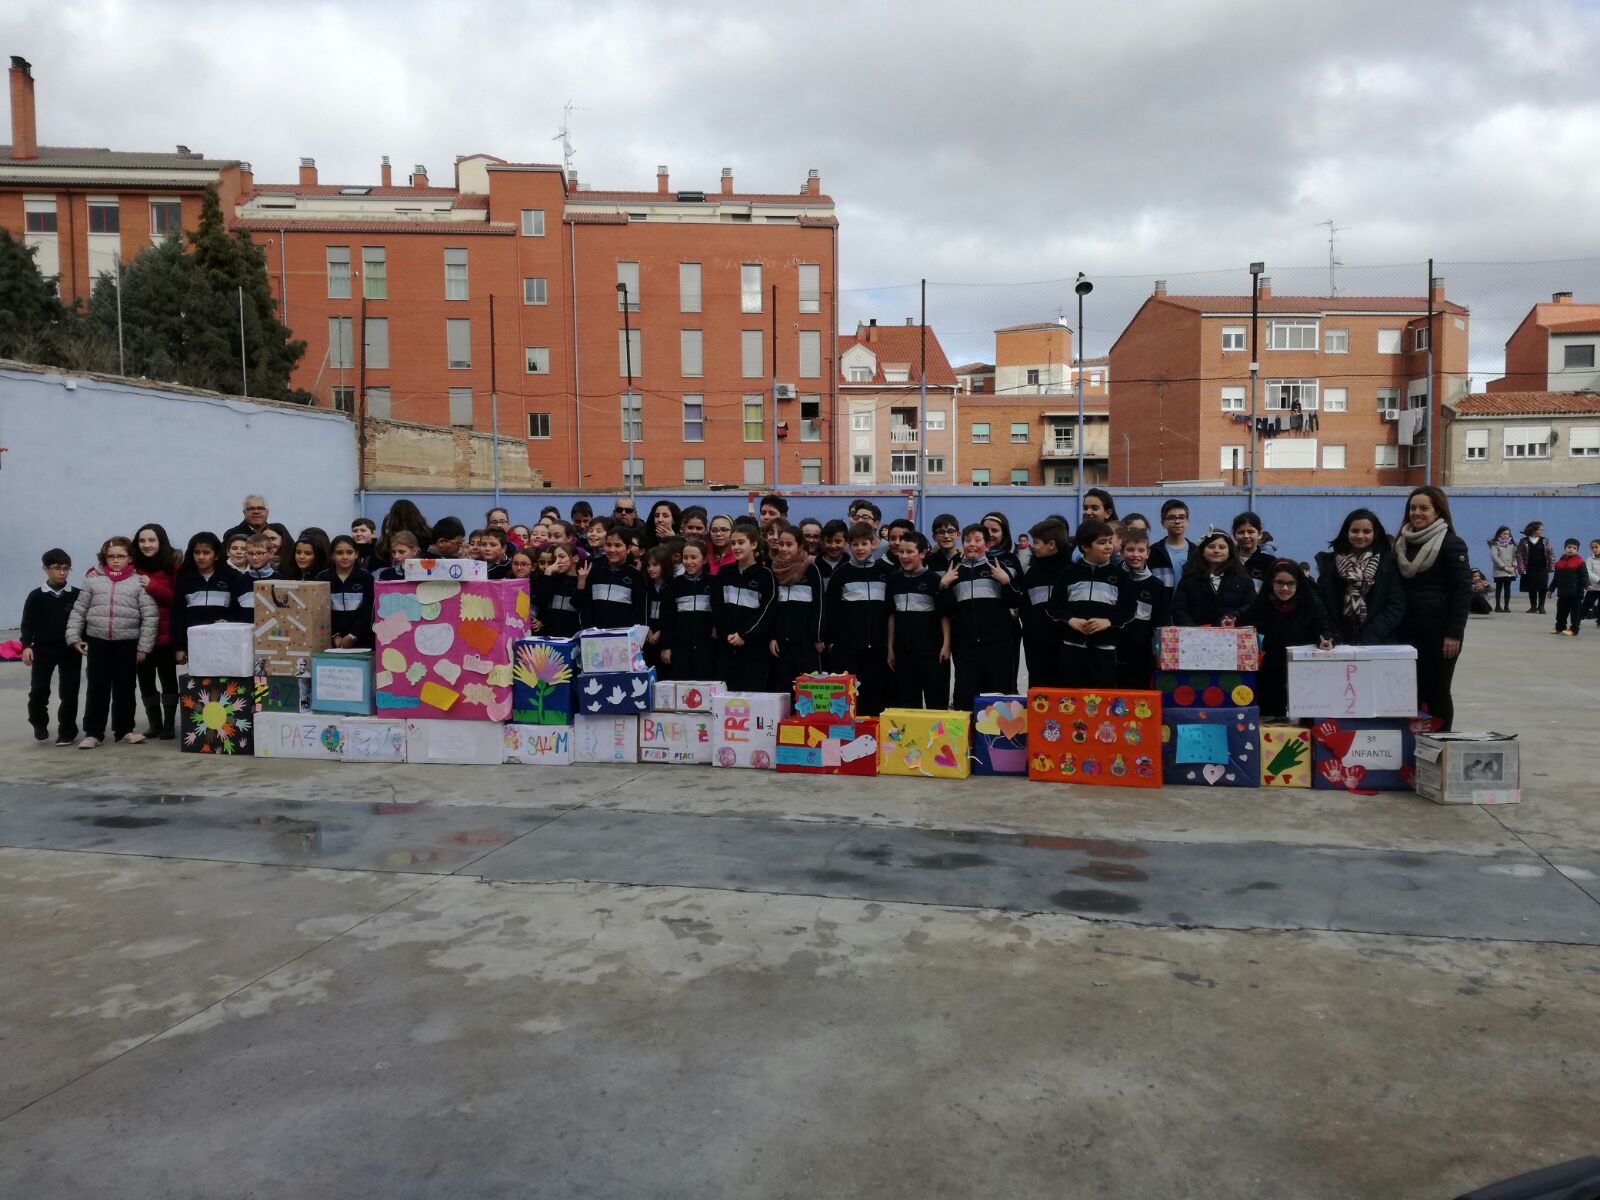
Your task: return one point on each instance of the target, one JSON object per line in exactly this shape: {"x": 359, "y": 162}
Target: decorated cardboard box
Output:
{"x": 291, "y": 625}
{"x": 226, "y": 648}
{"x": 822, "y": 745}
{"x": 1102, "y": 736}
{"x": 825, "y": 696}
{"x": 744, "y": 728}
{"x": 1000, "y": 735}
{"x": 217, "y": 715}
{"x": 1208, "y": 648}
{"x": 612, "y": 651}
{"x": 341, "y": 682}
{"x": 543, "y": 671}
{"x": 283, "y": 693}
{"x": 1376, "y": 754}
{"x": 686, "y": 695}
{"x": 458, "y": 569}
{"x": 297, "y": 735}
{"x": 1352, "y": 681}
{"x": 1285, "y": 756}
{"x": 461, "y": 743}
{"x": 444, "y": 648}
{"x": 670, "y": 737}
{"x": 1468, "y": 768}
{"x": 372, "y": 739}
{"x": 925, "y": 741}
{"x": 605, "y": 739}
{"x": 1211, "y": 747}
{"x": 539, "y": 745}
{"x": 615, "y": 692}
{"x": 1206, "y": 689}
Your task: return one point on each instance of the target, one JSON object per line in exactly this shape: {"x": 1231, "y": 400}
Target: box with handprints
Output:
{"x": 341, "y": 682}
{"x": 543, "y": 672}
{"x": 1206, "y": 689}
{"x": 226, "y": 648}
{"x": 1468, "y": 768}
{"x": 1285, "y": 756}
{"x": 1352, "y": 681}
{"x": 1102, "y": 736}
{"x": 605, "y": 739}
{"x": 291, "y": 625}
{"x": 744, "y": 728}
{"x": 444, "y": 648}
{"x": 283, "y": 693}
{"x": 1211, "y": 747}
{"x": 462, "y": 743}
{"x": 620, "y": 692}
{"x": 928, "y": 742}
{"x": 612, "y": 651}
{"x": 673, "y": 737}
{"x": 1208, "y": 648}
{"x": 825, "y": 696}
{"x": 828, "y": 746}
{"x": 1375, "y": 754}
{"x": 216, "y": 715}
{"x": 539, "y": 745}
{"x": 297, "y": 735}
{"x": 372, "y": 740}
{"x": 1000, "y": 735}
{"x": 459, "y": 570}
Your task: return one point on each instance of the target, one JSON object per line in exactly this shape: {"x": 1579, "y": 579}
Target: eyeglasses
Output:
{"x": 624, "y": 511}
{"x": 255, "y": 508}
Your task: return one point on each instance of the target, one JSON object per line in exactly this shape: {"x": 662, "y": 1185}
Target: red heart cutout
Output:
{"x": 1335, "y": 739}
{"x": 1268, "y": 778}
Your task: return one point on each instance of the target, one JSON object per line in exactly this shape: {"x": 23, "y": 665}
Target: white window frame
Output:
{"x": 860, "y": 375}
{"x": 694, "y": 417}
{"x": 1583, "y": 441}
{"x": 1335, "y": 456}
{"x": 811, "y": 427}
{"x": 1336, "y": 341}
{"x": 535, "y": 289}
{"x": 861, "y": 421}
{"x": 1335, "y": 399}
{"x": 750, "y": 288}
{"x": 338, "y": 260}
{"x": 689, "y": 298}
{"x": 1225, "y": 458}
{"x": 637, "y": 473}
{"x": 374, "y": 273}
{"x": 933, "y": 464}
{"x": 1475, "y": 445}
{"x": 1419, "y": 338}
{"x": 458, "y": 396}
{"x": 376, "y": 343}
{"x": 935, "y": 421}
{"x": 1385, "y": 457}
{"x": 903, "y": 462}
{"x": 458, "y": 327}
{"x": 1389, "y": 341}
{"x": 1232, "y": 399}
{"x": 628, "y": 276}
{"x": 757, "y": 404}
{"x": 694, "y": 471}
{"x": 537, "y": 422}
{"x": 106, "y": 206}
{"x": 1566, "y": 352}
{"x": 633, "y": 338}
{"x": 810, "y": 472}
{"x": 861, "y": 464}
{"x": 1285, "y": 392}
{"x": 809, "y": 354}
{"x": 1024, "y": 481}
{"x": 980, "y": 477}
{"x": 1021, "y": 433}
{"x": 1235, "y": 338}
{"x": 691, "y": 353}
{"x": 533, "y": 222}
{"x": 1296, "y": 335}
{"x": 341, "y": 343}
{"x": 752, "y": 354}
{"x": 755, "y": 472}
{"x": 165, "y": 205}
{"x": 1521, "y": 442}
{"x": 983, "y": 438}
{"x": 536, "y": 360}
{"x": 1388, "y": 401}
{"x": 457, "y": 282}
{"x": 809, "y": 281}
{"x": 630, "y": 410}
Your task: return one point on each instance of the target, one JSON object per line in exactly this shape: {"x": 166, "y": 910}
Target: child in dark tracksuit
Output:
{"x": 207, "y": 592}
{"x": 1041, "y": 634}
{"x": 1214, "y": 589}
{"x": 797, "y": 616}
{"x": 611, "y": 592}
{"x": 45, "y": 650}
{"x": 1093, "y": 601}
{"x": 1136, "y": 652}
{"x": 741, "y": 603}
{"x": 688, "y": 625}
{"x": 919, "y": 629}
{"x": 1571, "y": 581}
{"x": 855, "y": 620}
{"x": 349, "y": 597}
{"x": 982, "y": 592}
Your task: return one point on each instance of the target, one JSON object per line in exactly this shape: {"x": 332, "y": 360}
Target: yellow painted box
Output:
{"x": 926, "y": 742}
{"x": 1285, "y": 756}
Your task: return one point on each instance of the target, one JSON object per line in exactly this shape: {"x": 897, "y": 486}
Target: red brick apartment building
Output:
{"x": 1553, "y": 349}
{"x": 1355, "y": 364}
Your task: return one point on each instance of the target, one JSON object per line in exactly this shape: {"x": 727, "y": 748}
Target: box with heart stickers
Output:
{"x": 1285, "y": 756}
{"x": 1099, "y": 736}
{"x": 1370, "y": 754}
{"x": 924, "y": 741}
{"x": 615, "y": 693}
{"x": 1211, "y": 747}
{"x": 1000, "y": 735}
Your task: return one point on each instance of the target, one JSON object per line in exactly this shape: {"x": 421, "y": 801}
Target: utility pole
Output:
{"x": 244, "y": 365}
{"x": 774, "y": 387}
{"x": 1255, "y": 367}
{"x": 122, "y": 366}
{"x": 922, "y": 410}
{"x": 1083, "y": 288}
{"x": 494, "y": 400}
{"x": 1427, "y": 395}
{"x": 628, "y": 401}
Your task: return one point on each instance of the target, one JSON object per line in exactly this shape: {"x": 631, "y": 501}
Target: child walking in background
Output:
{"x": 1571, "y": 581}
{"x": 1136, "y": 645}
{"x": 1214, "y": 589}
{"x": 1288, "y": 612}
{"x": 349, "y": 596}
{"x": 919, "y": 629}
{"x": 796, "y": 642}
{"x": 114, "y": 623}
{"x": 47, "y": 652}
{"x": 688, "y": 639}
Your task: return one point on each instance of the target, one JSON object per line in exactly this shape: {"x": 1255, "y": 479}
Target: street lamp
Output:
{"x": 1255, "y": 367}
{"x": 1083, "y": 288}
{"x": 627, "y": 357}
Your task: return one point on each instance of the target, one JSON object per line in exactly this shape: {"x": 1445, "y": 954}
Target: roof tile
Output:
{"x": 1511, "y": 404}
{"x": 1313, "y": 304}
{"x": 900, "y": 344}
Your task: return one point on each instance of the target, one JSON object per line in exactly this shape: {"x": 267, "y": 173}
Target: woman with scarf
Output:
{"x": 1535, "y": 560}
{"x": 796, "y": 642}
{"x": 1433, "y": 566}
{"x": 1359, "y": 584}
{"x": 1287, "y": 612}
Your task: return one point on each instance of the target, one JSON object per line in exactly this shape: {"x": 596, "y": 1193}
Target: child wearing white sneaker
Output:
{"x": 114, "y": 622}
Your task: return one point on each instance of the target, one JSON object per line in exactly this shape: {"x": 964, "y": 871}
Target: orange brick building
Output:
{"x": 880, "y": 388}
{"x": 1355, "y": 365}
{"x": 1553, "y": 348}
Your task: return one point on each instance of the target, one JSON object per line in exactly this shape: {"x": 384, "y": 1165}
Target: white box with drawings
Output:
{"x": 1352, "y": 681}
{"x": 226, "y": 649}
{"x": 461, "y": 743}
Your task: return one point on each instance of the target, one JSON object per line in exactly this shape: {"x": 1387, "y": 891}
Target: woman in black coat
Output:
{"x": 1359, "y": 583}
{"x": 1438, "y": 585}
{"x": 1214, "y": 590}
{"x": 1535, "y": 560}
{"x": 1287, "y": 612}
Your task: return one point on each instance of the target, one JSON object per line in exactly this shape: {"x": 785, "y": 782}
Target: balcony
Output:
{"x": 1061, "y": 443}
{"x": 903, "y": 478}
{"x": 905, "y": 435}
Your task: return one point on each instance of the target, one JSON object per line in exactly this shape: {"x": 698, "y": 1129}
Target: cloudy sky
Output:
{"x": 995, "y": 150}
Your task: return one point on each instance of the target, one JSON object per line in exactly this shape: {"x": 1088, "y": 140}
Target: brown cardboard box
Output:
{"x": 292, "y": 624}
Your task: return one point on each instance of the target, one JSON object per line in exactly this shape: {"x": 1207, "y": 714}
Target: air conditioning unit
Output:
{"x": 1391, "y": 414}
{"x": 784, "y": 391}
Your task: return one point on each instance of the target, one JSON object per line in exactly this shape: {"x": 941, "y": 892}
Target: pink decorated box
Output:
{"x": 444, "y": 647}
{"x": 1208, "y": 648}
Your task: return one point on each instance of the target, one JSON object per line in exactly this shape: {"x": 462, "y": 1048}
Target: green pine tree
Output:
{"x": 33, "y": 321}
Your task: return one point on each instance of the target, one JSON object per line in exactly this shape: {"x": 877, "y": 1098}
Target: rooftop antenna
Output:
{"x": 565, "y": 136}
{"x": 1333, "y": 262}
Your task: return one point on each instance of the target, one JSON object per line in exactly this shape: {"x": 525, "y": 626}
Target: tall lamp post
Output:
{"x": 1083, "y": 288}
{"x": 627, "y": 358}
{"x": 1255, "y": 368}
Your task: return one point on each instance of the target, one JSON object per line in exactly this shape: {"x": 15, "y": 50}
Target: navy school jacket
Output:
{"x": 980, "y": 605}
{"x": 205, "y": 600}
{"x": 1160, "y": 563}
{"x": 1196, "y": 602}
{"x": 855, "y": 614}
{"x": 350, "y": 605}
{"x": 1092, "y": 591}
{"x": 742, "y": 601}
{"x": 1036, "y": 587}
{"x": 1152, "y": 605}
{"x": 555, "y": 603}
{"x": 613, "y": 597}
{"x": 798, "y": 618}
{"x": 688, "y": 621}
{"x": 920, "y": 606}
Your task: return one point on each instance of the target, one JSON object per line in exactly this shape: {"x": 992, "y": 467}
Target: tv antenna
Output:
{"x": 1333, "y": 261}
{"x": 565, "y": 136}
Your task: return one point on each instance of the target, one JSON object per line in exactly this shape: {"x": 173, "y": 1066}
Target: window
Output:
{"x": 376, "y": 348}
{"x": 107, "y": 218}
{"x": 1577, "y": 356}
{"x": 903, "y": 425}
{"x": 1419, "y": 338}
{"x": 861, "y": 421}
{"x": 936, "y": 420}
{"x": 1384, "y": 457}
{"x": 1033, "y": 376}
{"x": 1292, "y": 335}
{"x": 1062, "y": 435}
{"x": 811, "y": 418}
{"x": 533, "y": 222}
{"x": 1417, "y": 456}
{"x": 341, "y": 342}
{"x": 1336, "y": 341}
{"x": 379, "y": 405}
{"x": 860, "y": 374}
{"x": 41, "y": 219}
{"x": 810, "y": 354}
{"x": 338, "y": 272}
{"x": 934, "y": 464}
{"x": 344, "y": 400}
{"x": 691, "y": 353}
{"x": 1289, "y": 454}
{"x": 374, "y": 273}
{"x": 694, "y": 470}
{"x": 1019, "y": 433}
{"x": 535, "y": 291}
{"x": 1233, "y": 399}
{"x": 633, "y": 473}
{"x": 537, "y": 359}
{"x": 897, "y": 374}
{"x": 980, "y": 433}
{"x": 1388, "y": 341}
{"x": 980, "y": 477}
{"x": 166, "y": 216}
{"x": 1335, "y": 399}
{"x": 461, "y": 407}
{"x": 755, "y": 411}
{"x": 1528, "y": 441}
{"x": 902, "y": 465}
{"x": 694, "y": 418}
{"x": 1333, "y": 458}
{"x": 455, "y": 274}
{"x": 810, "y": 288}
{"x": 1019, "y": 475}
{"x": 539, "y": 426}
{"x": 458, "y": 341}
{"x": 1233, "y": 458}
{"x": 1233, "y": 337}
{"x": 1282, "y": 394}
{"x": 1475, "y": 445}
{"x": 630, "y": 352}
{"x": 861, "y": 464}
{"x": 689, "y": 287}
{"x": 750, "y": 353}
{"x": 755, "y": 470}
{"x": 628, "y": 278}
{"x": 750, "y": 288}
{"x": 1389, "y": 401}
{"x": 1583, "y": 441}
{"x": 632, "y": 418}
{"x": 811, "y": 471}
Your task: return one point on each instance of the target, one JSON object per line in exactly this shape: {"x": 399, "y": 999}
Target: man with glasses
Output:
{"x": 625, "y": 511}
{"x": 255, "y": 519}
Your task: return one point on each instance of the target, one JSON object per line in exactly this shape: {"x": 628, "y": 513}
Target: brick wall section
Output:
{"x": 401, "y": 455}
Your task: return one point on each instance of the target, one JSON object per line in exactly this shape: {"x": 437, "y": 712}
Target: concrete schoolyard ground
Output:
{"x": 273, "y": 978}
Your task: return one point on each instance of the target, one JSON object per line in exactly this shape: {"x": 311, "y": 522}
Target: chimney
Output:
{"x": 1161, "y": 287}
{"x": 386, "y": 172}
{"x": 308, "y": 172}
{"x": 1558, "y": 298}
{"x": 661, "y": 179}
{"x": 419, "y": 176}
{"x": 247, "y": 179}
{"x": 910, "y": 320}
{"x": 572, "y": 181}
{"x": 1436, "y": 292}
{"x": 1266, "y": 287}
{"x": 813, "y": 182}
{"x": 24, "y": 127}
{"x": 872, "y": 329}
{"x": 727, "y": 181}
